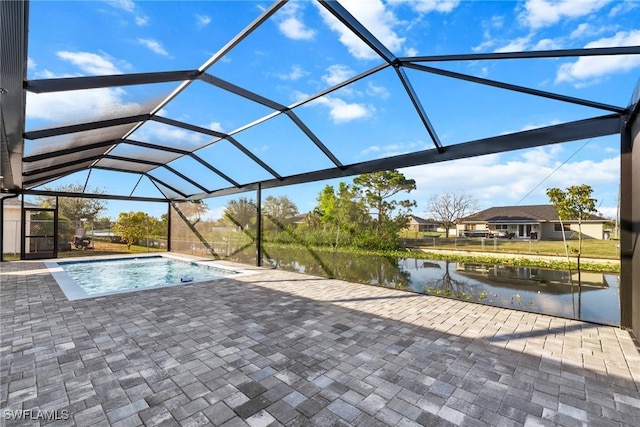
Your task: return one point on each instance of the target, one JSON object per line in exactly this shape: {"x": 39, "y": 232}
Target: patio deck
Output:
{"x": 280, "y": 348}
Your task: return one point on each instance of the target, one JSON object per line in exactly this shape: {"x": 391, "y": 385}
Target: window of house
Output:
{"x": 502, "y": 227}
{"x": 556, "y": 227}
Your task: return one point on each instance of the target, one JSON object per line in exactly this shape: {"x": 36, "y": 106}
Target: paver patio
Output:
{"x": 281, "y": 348}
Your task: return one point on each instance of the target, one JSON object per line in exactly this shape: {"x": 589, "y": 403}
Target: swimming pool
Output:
{"x": 96, "y": 277}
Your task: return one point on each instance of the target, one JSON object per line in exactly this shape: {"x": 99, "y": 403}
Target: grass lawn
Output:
{"x": 590, "y": 248}
{"x": 99, "y": 248}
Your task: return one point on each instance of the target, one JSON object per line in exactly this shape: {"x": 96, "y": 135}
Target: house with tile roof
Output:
{"x": 421, "y": 225}
{"x": 535, "y": 221}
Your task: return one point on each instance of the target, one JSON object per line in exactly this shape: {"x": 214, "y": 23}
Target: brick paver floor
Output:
{"x": 280, "y": 348}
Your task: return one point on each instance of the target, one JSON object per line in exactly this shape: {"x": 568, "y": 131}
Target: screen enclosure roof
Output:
{"x": 270, "y": 94}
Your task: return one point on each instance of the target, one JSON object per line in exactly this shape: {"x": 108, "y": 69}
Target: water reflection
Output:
{"x": 591, "y": 297}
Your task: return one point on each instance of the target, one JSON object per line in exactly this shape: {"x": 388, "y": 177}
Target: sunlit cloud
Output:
{"x": 154, "y": 132}
{"x": 154, "y": 46}
{"x": 543, "y": 13}
{"x": 623, "y": 7}
{"x": 343, "y": 112}
{"x": 489, "y": 41}
{"x": 516, "y": 45}
{"x": 130, "y": 6}
{"x": 377, "y": 91}
{"x": 496, "y": 180}
{"x": 79, "y": 105}
{"x": 587, "y": 30}
{"x": 337, "y": 74}
{"x": 426, "y": 6}
{"x": 395, "y": 149}
{"x": 582, "y": 30}
{"x": 547, "y": 44}
{"x": 290, "y": 23}
{"x": 532, "y": 126}
{"x": 296, "y": 72}
{"x": 90, "y": 63}
{"x": 410, "y": 51}
{"x": 376, "y": 17}
{"x": 142, "y": 20}
{"x": 217, "y": 126}
{"x": 485, "y": 45}
{"x": 593, "y": 68}
{"x": 202, "y": 21}
{"x": 127, "y": 5}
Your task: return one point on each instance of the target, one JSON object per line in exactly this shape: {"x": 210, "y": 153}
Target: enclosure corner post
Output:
{"x": 259, "y": 226}
{"x": 23, "y": 230}
{"x": 168, "y": 226}
{"x": 630, "y": 218}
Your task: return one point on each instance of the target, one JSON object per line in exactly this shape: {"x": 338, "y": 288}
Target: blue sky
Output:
{"x": 302, "y": 50}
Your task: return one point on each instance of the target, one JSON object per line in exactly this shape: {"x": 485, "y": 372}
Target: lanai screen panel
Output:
{"x": 340, "y": 87}
{"x": 203, "y": 173}
{"x": 293, "y": 54}
{"x": 279, "y": 141}
{"x": 369, "y": 119}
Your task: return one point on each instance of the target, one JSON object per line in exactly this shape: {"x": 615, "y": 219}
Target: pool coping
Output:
{"x": 74, "y": 292}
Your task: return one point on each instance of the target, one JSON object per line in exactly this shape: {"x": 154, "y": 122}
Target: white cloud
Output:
{"x": 543, "y": 156}
{"x": 154, "y": 46}
{"x": 90, "y": 63}
{"x": 79, "y": 105}
{"x": 130, "y": 6}
{"x": 590, "y": 68}
{"x": 371, "y": 149}
{"x": 374, "y": 16}
{"x": 217, "y": 126}
{"x": 516, "y": 45}
{"x": 486, "y": 44}
{"x": 142, "y": 20}
{"x": 202, "y": 20}
{"x": 547, "y": 44}
{"x": 495, "y": 181}
{"x": 427, "y": 6}
{"x": 533, "y": 126}
{"x": 396, "y": 149}
{"x": 543, "y": 13}
{"x": 622, "y": 7}
{"x": 290, "y": 23}
{"x": 341, "y": 111}
{"x": 337, "y": 74}
{"x": 127, "y": 5}
{"x": 496, "y": 22}
{"x": 410, "y": 51}
{"x": 587, "y": 30}
{"x": 31, "y": 63}
{"x": 582, "y": 30}
{"x": 608, "y": 211}
{"x": 155, "y": 132}
{"x": 377, "y": 91}
{"x": 296, "y": 73}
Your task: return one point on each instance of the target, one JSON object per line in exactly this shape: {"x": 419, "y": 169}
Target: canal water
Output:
{"x": 589, "y": 296}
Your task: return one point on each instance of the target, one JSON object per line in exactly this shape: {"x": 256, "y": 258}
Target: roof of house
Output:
{"x": 417, "y": 220}
{"x": 537, "y": 213}
{"x": 16, "y": 202}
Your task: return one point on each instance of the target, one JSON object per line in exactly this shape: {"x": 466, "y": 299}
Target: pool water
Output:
{"x": 98, "y": 277}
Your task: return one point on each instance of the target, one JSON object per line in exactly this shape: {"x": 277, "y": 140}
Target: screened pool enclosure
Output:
{"x": 234, "y": 112}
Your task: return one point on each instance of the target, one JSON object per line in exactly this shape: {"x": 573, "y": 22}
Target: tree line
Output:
{"x": 366, "y": 213}
{"x": 363, "y": 214}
